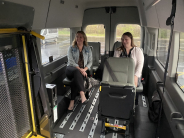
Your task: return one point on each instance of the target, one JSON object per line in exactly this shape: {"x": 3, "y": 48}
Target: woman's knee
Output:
{"x": 76, "y": 71}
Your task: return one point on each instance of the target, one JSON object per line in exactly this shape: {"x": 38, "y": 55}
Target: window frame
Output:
{"x": 133, "y": 36}
{"x": 98, "y": 41}
{"x": 178, "y": 62}
{"x": 57, "y": 58}
{"x": 157, "y": 48}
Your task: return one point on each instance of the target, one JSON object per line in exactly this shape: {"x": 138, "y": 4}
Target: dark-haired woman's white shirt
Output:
{"x": 138, "y": 57}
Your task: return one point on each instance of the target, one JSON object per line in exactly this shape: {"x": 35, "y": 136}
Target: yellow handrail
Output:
{"x": 37, "y": 35}
{"x": 15, "y": 30}
{"x": 28, "y": 84}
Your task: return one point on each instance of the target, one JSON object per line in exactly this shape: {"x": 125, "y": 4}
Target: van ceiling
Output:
{"x": 67, "y": 15}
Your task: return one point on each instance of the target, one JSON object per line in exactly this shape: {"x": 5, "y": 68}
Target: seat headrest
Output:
{"x": 123, "y": 69}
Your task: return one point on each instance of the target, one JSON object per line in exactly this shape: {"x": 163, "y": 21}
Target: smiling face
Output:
{"x": 79, "y": 39}
{"x": 126, "y": 41}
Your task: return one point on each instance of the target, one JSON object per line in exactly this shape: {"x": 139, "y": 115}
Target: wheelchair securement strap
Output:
{"x": 110, "y": 71}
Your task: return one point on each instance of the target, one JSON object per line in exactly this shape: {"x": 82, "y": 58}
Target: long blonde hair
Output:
{"x": 85, "y": 39}
{"x": 132, "y": 41}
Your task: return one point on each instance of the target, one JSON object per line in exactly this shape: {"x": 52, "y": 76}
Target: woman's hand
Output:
{"x": 135, "y": 80}
{"x": 82, "y": 71}
{"x": 84, "y": 74}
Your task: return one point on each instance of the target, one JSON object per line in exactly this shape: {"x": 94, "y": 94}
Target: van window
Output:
{"x": 162, "y": 47}
{"x": 56, "y": 43}
{"x": 134, "y": 29}
{"x": 96, "y": 33}
{"x": 53, "y": 30}
{"x": 180, "y": 68}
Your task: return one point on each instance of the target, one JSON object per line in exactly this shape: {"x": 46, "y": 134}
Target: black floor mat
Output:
{"x": 141, "y": 128}
{"x": 76, "y": 133}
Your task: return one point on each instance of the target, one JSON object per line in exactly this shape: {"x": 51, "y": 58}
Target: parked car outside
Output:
{"x": 50, "y": 35}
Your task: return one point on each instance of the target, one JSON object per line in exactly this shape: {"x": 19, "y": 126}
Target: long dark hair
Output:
{"x": 132, "y": 41}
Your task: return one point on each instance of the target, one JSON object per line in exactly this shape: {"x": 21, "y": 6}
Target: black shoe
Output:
{"x": 69, "y": 111}
{"x": 85, "y": 102}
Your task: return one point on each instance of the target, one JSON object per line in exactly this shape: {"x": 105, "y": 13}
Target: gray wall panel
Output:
{"x": 65, "y": 15}
{"x": 41, "y": 9}
{"x": 90, "y": 17}
{"x": 124, "y": 15}
{"x": 163, "y": 11}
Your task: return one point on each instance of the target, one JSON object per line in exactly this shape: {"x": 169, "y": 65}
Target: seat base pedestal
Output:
{"x": 106, "y": 130}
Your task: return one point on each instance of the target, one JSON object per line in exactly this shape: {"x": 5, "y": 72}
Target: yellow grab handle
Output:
{"x": 37, "y": 35}
{"x": 15, "y": 30}
{"x": 117, "y": 126}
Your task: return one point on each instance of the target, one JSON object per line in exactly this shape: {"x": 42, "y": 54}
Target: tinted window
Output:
{"x": 53, "y": 30}
{"x": 162, "y": 47}
{"x": 56, "y": 43}
{"x": 96, "y": 33}
{"x": 135, "y": 30}
{"x": 180, "y": 68}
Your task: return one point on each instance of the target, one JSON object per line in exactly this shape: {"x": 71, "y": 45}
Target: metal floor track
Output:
{"x": 83, "y": 122}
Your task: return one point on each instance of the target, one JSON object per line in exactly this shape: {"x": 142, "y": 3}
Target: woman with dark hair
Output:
{"x": 128, "y": 49}
{"x": 79, "y": 61}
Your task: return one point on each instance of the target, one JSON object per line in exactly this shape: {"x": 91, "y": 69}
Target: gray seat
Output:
{"x": 123, "y": 68}
{"x": 117, "y": 98}
{"x": 116, "y": 45}
{"x": 113, "y": 94}
{"x": 67, "y": 81}
{"x": 96, "y": 54}
{"x": 140, "y": 88}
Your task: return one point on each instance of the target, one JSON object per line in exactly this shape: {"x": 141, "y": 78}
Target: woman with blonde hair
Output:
{"x": 128, "y": 49}
{"x": 79, "y": 61}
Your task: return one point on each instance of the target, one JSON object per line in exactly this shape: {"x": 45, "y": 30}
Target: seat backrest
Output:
{"x": 116, "y": 45}
{"x": 123, "y": 69}
{"x": 96, "y": 52}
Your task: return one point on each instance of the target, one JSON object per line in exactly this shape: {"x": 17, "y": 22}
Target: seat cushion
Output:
{"x": 95, "y": 68}
{"x": 67, "y": 81}
{"x": 140, "y": 88}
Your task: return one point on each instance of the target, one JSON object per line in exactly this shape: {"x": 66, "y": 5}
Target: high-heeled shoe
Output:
{"x": 85, "y": 102}
{"x": 69, "y": 111}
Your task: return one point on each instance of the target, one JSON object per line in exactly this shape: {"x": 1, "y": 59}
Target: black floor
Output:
{"x": 69, "y": 131}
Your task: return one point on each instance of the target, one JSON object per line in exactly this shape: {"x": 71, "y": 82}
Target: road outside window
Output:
{"x": 96, "y": 33}
{"x": 56, "y": 43}
{"x": 135, "y": 30}
{"x": 180, "y": 68}
{"x": 163, "y": 43}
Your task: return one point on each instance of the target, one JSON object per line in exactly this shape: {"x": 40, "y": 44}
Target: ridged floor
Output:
{"x": 84, "y": 123}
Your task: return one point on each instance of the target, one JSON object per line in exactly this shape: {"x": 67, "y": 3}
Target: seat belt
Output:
{"x": 169, "y": 21}
{"x": 110, "y": 71}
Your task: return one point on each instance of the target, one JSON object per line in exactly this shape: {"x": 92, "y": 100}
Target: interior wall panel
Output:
{"x": 40, "y": 7}
{"x": 151, "y": 17}
{"x": 150, "y": 14}
{"x": 90, "y": 17}
{"x": 106, "y": 3}
{"x": 163, "y": 9}
{"x": 179, "y": 17}
{"x": 65, "y": 15}
{"x": 141, "y": 13}
{"x": 124, "y": 15}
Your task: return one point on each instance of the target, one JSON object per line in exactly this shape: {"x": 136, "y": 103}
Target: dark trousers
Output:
{"x": 77, "y": 78}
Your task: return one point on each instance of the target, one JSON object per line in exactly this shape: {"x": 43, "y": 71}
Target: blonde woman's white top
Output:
{"x": 138, "y": 57}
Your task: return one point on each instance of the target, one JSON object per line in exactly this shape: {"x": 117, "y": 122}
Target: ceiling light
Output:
{"x": 155, "y": 2}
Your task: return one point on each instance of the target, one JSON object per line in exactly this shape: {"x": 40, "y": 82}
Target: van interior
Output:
{"x": 35, "y": 92}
